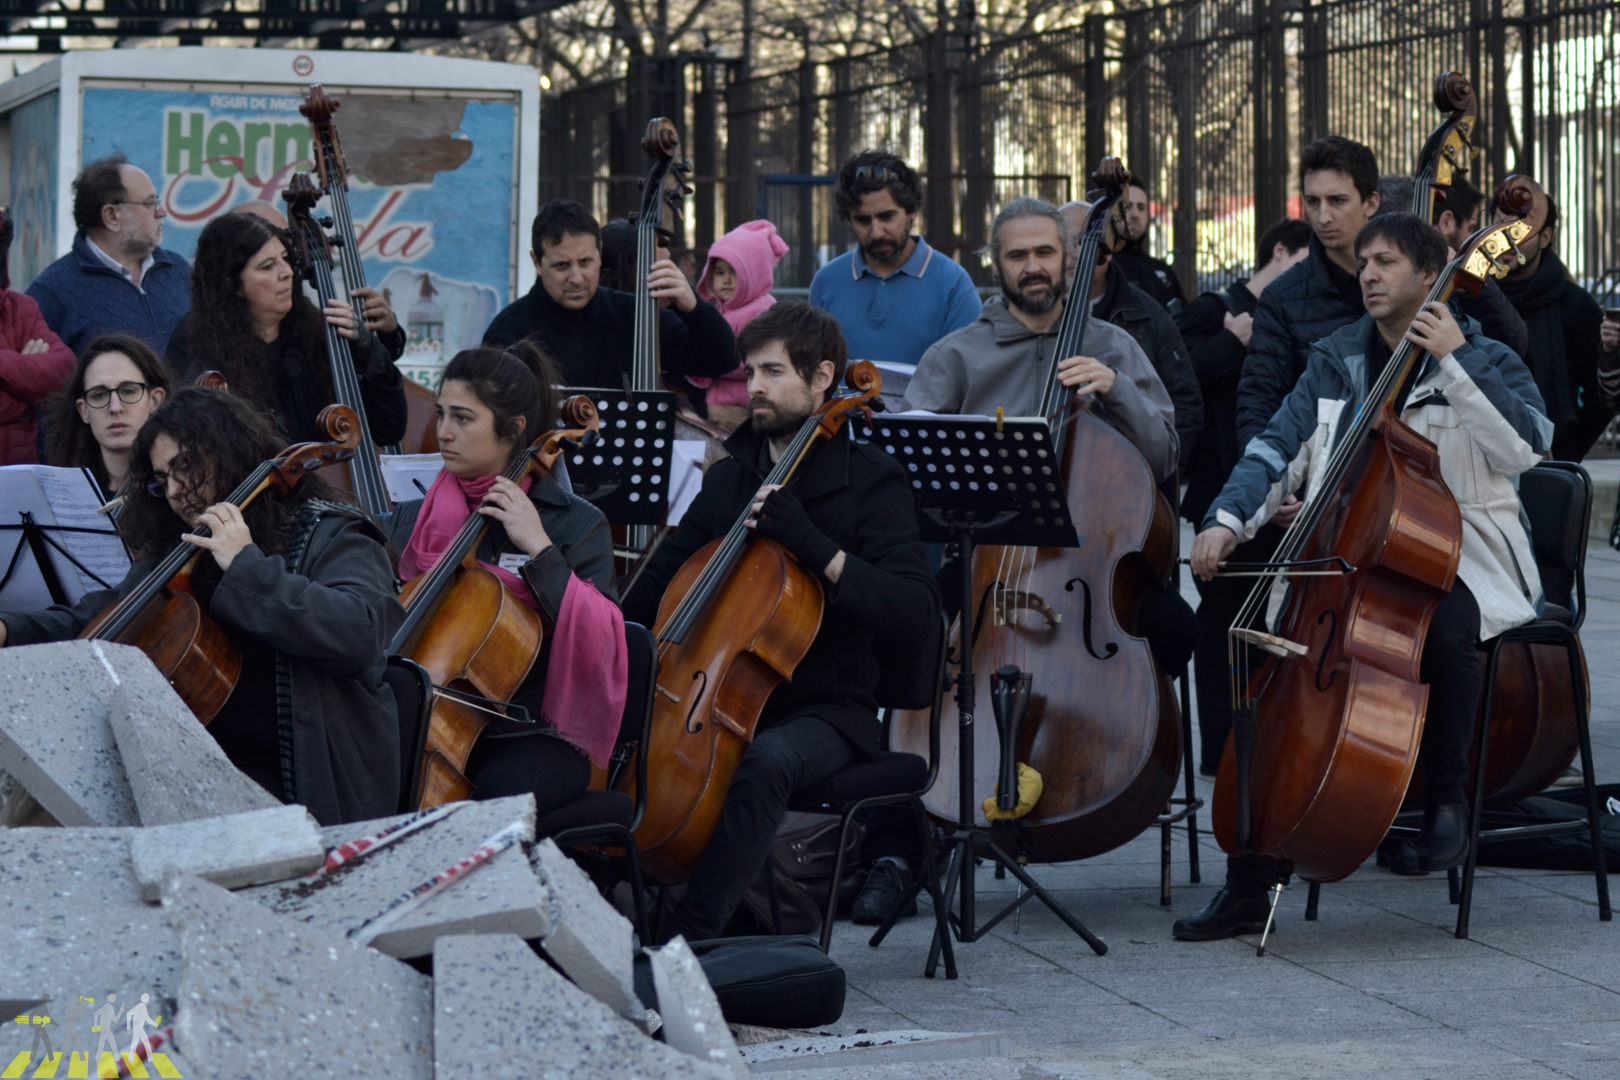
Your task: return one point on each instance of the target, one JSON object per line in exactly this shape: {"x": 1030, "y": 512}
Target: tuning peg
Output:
{"x": 326, "y": 222}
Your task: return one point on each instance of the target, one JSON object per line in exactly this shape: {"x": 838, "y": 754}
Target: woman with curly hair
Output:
{"x": 250, "y": 321}
{"x": 302, "y": 584}
{"x": 92, "y": 422}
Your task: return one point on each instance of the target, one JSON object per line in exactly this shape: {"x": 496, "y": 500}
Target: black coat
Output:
{"x": 1153, "y": 276}
{"x": 1217, "y": 359}
{"x": 330, "y": 610}
{"x": 594, "y": 345}
{"x": 1302, "y": 307}
{"x": 382, "y": 387}
{"x": 858, "y": 496}
{"x": 1146, "y": 320}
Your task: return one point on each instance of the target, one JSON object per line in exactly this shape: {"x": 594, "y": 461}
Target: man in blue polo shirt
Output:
{"x": 893, "y": 295}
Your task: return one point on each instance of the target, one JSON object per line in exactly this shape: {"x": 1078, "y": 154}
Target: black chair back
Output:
{"x": 1557, "y": 498}
{"x": 917, "y": 692}
{"x": 909, "y": 672}
{"x": 413, "y": 696}
{"x": 636, "y": 725}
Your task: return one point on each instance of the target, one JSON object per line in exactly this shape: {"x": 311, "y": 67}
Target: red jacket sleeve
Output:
{"x": 34, "y": 377}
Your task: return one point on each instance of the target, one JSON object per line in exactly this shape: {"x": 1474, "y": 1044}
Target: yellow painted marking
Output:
{"x": 107, "y": 1066}
{"x": 47, "y": 1065}
{"x": 165, "y": 1068}
{"x": 15, "y": 1069}
{"x": 79, "y": 1066}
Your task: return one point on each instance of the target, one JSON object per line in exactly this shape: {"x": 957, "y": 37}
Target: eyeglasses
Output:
{"x": 179, "y": 467}
{"x": 150, "y": 204}
{"x": 97, "y": 397}
{"x": 881, "y": 173}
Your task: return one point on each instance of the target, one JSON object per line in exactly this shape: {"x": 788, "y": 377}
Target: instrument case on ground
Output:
{"x": 779, "y": 982}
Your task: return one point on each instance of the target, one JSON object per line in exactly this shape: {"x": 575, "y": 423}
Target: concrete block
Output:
{"x": 970, "y": 1069}
{"x": 232, "y": 852}
{"x": 500, "y": 1011}
{"x": 501, "y": 896}
{"x": 589, "y": 939}
{"x": 176, "y": 771}
{"x": 693, "y": 1023}
{"x": 17, "y": 807}
{"x": 261, "y": 995}
{"x": 54, "y": 736}
{"x": 868, "y": 1050}
{"x": 74, "y": 920}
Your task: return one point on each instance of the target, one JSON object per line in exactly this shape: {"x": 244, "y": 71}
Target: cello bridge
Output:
{"x": 1010, "y": 600}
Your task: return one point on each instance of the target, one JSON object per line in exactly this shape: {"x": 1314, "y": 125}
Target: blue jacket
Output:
{"x": 1480, "y": 407}
{"x": 81, "y": 297}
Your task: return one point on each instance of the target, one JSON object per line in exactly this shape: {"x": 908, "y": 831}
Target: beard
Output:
{"x": 778, "y": 422}
{"x": 1038, "y": 304}
{"x": 881, "y": 250}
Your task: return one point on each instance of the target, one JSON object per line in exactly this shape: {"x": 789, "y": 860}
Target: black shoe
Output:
{"x": 884, "y": 888}
{"x": 1442, "y": 844}
{"x": 1230, "y": 913}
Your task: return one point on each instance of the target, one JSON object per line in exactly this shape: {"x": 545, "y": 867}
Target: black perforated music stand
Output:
{"x": 978, "y": 480}
{"x": 626, "y": 474}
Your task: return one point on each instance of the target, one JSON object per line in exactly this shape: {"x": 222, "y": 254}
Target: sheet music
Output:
{"x": 74, "y": 499}
{"x": 403, "y": 472}
{"x": 685, "y": 475}
{"x": 55, "y": 497}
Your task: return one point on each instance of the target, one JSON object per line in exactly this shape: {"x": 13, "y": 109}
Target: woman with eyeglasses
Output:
{"x": 33, "y": 363}
{"x": 302, "y": 584}
{"x": 250, "y": 321}
{"x": 92, "y": 422}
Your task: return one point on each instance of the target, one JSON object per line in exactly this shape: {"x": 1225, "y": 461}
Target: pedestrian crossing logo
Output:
{"x": 72, "y": 1059}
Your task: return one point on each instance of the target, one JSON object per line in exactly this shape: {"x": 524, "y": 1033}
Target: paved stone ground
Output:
{"x": 1378, "y": 987}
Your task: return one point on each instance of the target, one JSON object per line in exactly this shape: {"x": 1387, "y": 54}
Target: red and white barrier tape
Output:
{"x": 413, "y": 898}
{"x": 345, "y": 853}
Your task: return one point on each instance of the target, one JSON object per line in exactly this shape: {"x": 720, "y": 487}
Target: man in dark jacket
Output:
{"x": 1565, "y": 330}
{"x": 1153, "y": 276}
{"x": 590, "y": 331}
{"x": 847, "y": 517}
{"x": 116, "y": 280}
{"x": 1216, "y": 328}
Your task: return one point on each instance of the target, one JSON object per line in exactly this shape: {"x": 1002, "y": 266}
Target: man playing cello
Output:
{"x": 1476, "y": 401}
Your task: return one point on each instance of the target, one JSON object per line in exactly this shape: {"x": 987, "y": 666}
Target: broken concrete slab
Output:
{"x": 971, "y": 1069}
{"x": 502, "y": 896}
{"x": 176, "y": 770}
{"x": 233, "y": 851}
{"x": 693, "y": 1023}
{"x": 499, "y": 1010}
{"x": 589, "y": 939}
{"x": 261, "y": 995}
{"x": 54, "y": 736}
{"x": 863, "y": 1051}
{"x": 75, "y": 923}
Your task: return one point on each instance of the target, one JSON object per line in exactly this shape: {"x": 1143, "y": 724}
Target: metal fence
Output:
{"x": 1207, "y": 102}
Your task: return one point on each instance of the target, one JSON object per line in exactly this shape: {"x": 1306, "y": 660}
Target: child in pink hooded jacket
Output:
{"x": 737, "y": 277}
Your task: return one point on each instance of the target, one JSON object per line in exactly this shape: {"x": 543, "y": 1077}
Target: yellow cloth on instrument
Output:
{"x": 1030, "y": 786}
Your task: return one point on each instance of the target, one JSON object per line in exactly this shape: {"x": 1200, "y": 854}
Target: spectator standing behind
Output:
{"x": 893, "y": 295}
{"x": 93, "y": 420}
{"x": 1566, "y": 327}
{"x": 33, "y": 364}
{"x": 1152, "y": 276}
{"x": 737, "y": 276}
{"x": 116, "y": 279}
{"x": 590, "y": 329}
{"x": 1456, "y": 217}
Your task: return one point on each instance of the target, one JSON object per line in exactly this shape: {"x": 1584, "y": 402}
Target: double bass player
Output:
{"x": 1476, "y": 401}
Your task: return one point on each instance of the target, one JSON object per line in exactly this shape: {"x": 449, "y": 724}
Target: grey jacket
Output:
{"x": 998, "y": 362}
{"x": 329, "y": 609}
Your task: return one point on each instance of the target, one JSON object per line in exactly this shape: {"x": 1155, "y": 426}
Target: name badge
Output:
{"x": 513, "y": 561}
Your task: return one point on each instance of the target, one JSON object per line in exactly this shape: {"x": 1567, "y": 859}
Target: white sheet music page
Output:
{"x": 56, "y": 499}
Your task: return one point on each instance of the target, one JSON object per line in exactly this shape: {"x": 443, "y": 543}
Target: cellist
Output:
{"x": 848, "y": 517}
{"x": 549, "y": 547}
{"x": 1475, "y": 399}
{"x": 301, "y": 584}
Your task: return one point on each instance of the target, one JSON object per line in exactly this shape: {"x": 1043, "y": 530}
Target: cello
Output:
{"x": 313, "y": 262}
{"x": 1328, "y": 708}
{"x": 1449, "y": 148}
{"x": 735, "y": 622}
{"x": 476, "y": 640}
{"x": 162, "y": 616}
{"x": 421, "y": 432}
{"x": 1101, "y": 725}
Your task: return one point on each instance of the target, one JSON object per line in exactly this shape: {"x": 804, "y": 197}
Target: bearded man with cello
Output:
{"x": 1475, "y": 400}
{"x": 847, "y": 517}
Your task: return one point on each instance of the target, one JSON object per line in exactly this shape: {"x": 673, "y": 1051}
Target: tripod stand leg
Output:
{"x": 959, "y": 848}
{"x": 1271, "y": 917}
{"x": 1050, "y": 901}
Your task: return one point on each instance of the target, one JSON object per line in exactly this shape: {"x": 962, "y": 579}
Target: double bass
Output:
{"x": 421, "y": 434}
{"x": 1101, "y": 725}
{"x": 162, "y": 616}
{"x": 474, "y": 637}
{"x": 1449, "y": 149}
{"x": 735, "y": 622}
{"x": 1328, "y": 707}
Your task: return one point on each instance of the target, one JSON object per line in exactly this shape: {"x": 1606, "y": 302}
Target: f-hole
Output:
{"x": 1085, "y": 620}
{"x": 1332, "y": 619}
{"x": 693, "y": 725}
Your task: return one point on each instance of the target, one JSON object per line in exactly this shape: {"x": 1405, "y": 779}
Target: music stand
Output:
{"x": 36, "y": 538}
{"x": 978, "y": 480}
{"x": 626, "y": 474}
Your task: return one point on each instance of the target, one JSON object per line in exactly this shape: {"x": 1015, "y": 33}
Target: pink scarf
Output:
{"x": 450, "y": 501}
{"x": 589, "y": 672}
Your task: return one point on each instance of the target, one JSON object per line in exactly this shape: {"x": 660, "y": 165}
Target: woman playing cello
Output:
{"x": 551, "y": 549}
{"x": 302, "y": 586}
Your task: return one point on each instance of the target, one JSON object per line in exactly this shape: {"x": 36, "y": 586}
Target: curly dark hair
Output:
{"x": 222, "y": 332}
{"x": 876, "y": 170}
{"x": 68, "y": 439}
{"x": 519, "y": 381}
{"x": 222, "y": 439}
